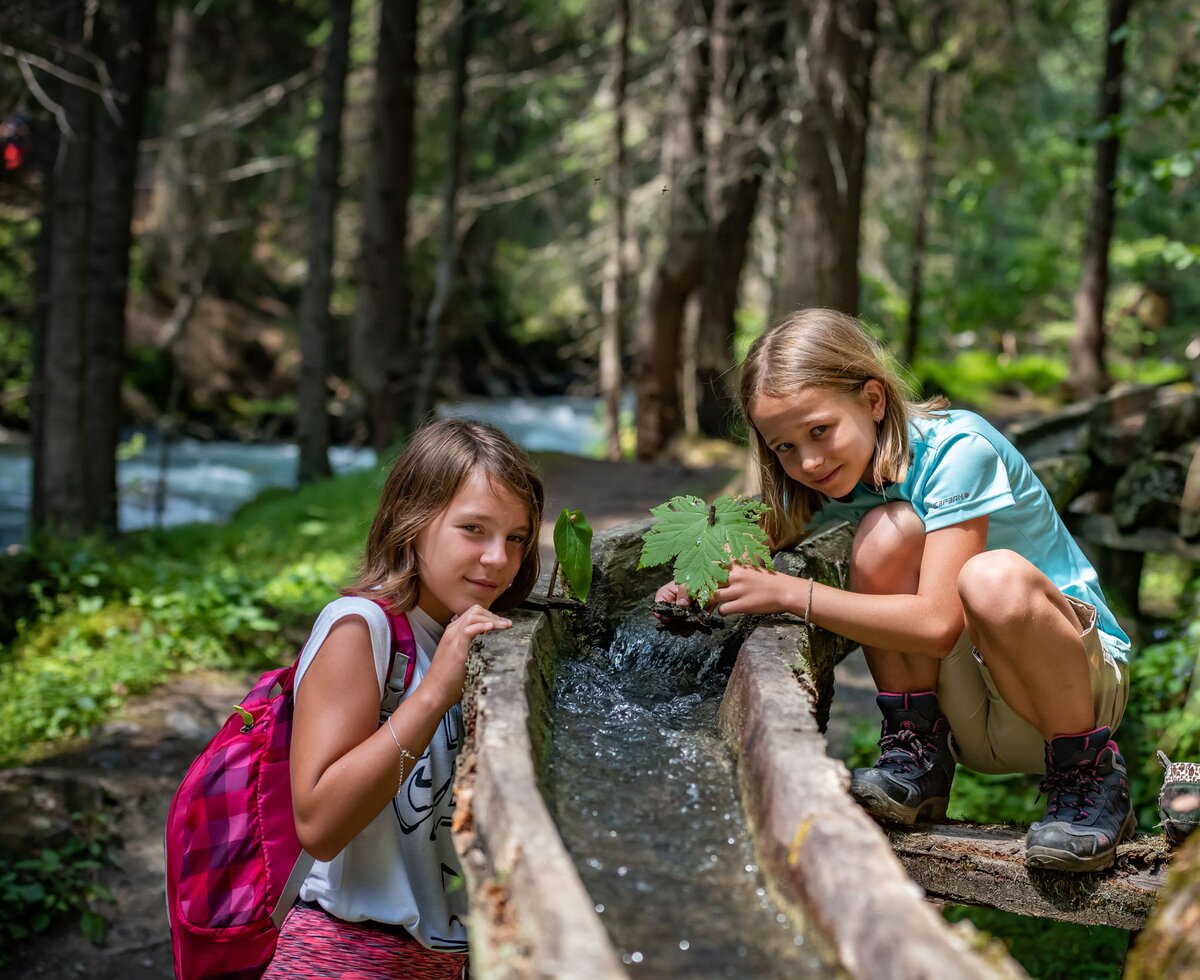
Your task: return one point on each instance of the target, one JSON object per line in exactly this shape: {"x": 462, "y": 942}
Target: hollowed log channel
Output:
{"x": 830, "y": 898}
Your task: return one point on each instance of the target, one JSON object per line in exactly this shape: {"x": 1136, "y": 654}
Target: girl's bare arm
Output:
{"x": 345, "y": 767}
{"x": 927, "y": 623}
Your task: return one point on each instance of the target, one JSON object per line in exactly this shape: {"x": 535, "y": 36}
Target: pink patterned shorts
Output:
{"x": 315, "y": 945}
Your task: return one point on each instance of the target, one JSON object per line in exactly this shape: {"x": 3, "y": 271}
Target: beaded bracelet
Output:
{"x": 404, "y": 754}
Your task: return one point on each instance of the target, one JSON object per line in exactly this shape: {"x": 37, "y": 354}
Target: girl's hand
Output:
{"x": 674, "y": 593}
{"x": 756, "y": 590}
{"x": 448, "y": 670}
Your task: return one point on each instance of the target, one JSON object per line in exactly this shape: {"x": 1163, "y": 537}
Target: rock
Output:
{"x": 1063, "y": 477}
{"x": 1114, "y": 427}
{"x": 1173, "y": 418}
{"x": 1147, "y": 494}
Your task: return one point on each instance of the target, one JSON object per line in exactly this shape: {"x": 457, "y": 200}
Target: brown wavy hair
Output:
{"x": 824, "y": 349}
{"x": 422, "y": 482}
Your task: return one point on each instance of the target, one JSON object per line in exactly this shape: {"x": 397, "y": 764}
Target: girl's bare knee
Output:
{"x": 886, "y": 557}
{"x": 997, "y": 587}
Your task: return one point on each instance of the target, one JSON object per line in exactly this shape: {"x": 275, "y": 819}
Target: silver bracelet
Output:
{"x": 808, "y": 604}
{"x": 404, "y": 754}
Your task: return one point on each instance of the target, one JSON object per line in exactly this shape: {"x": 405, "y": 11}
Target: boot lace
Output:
{"x": 904, "y": 749}
{"x": 1069, "y": 792}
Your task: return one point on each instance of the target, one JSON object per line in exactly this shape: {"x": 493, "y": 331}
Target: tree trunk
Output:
{"x": 753, "y": 96}
{"x": 167, "y": 222}
{"x": 912, "y": 335}
{"x": 614, "y": 303}
{"x": 820, "y": 251}
{"x": 431, "y": 346}
{"x": 383, "y": 337}
{"x": 39, "y": 329}
{"x": 679, "y": 270}
{"x": 59, "y": 470}
{"x": 1089, "y": 375}
{"x": 124, "y": 39}
{"x": 312, "y": 419}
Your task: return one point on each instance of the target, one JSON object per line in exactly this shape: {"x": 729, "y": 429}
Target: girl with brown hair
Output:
{"x": 452, "y": 546}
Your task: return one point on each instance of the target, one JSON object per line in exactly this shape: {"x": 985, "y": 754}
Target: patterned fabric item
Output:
{"x": 314, "y": 945}
{"x": 1179, "y": 798}
{"x": 231, "y": 836}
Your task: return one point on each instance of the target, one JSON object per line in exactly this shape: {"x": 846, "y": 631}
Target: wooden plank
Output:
{"x": 819, "y": 847}
{"x": 983, "y": 864}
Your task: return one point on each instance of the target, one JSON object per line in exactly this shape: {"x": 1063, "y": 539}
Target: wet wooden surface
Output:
{"x": 980, "y": 864}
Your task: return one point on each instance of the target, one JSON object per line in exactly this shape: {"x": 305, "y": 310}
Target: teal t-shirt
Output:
{"x": 963, "y": 468}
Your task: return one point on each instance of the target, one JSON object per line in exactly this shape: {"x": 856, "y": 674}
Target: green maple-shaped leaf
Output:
{"x": 703, "y": 539}
{"x": 573, "y": 549}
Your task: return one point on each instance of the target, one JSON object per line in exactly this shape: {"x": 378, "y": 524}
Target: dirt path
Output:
{"x": 139, "y": 757}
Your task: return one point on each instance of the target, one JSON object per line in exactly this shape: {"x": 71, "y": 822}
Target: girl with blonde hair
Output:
{"x": 984, "y": 626}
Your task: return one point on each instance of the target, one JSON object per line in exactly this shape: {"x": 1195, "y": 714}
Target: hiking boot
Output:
{"x": 911, "y": 780}
{"x": 1087, "y": 806}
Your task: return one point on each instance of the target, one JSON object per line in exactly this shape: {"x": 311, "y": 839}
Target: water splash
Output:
{"x": 644, "y": 792}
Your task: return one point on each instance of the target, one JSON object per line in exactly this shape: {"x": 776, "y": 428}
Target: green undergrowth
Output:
{"x": 108, "y": 619}
{"x": 1050, "y": 950}
{"x": 977, "y": 377}
{"x": 56, "y": 883}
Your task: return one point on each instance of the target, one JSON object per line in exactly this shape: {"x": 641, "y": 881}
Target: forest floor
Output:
{"x": 139, "y": 757}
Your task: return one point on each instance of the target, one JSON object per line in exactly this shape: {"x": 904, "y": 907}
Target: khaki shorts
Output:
{"x": 987, "y": 735}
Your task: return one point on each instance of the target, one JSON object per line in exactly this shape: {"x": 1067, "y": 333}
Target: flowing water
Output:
{"x": 645, "y": 796}
{"x": 205, "y": 482}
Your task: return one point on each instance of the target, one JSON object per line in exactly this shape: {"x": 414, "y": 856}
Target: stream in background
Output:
{"x": 644, "y": 792}
{"x": 207, "y": 481}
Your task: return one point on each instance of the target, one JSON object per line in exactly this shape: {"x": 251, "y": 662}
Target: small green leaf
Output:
{"x": 93, "y": 926}
{"x": 573, "y": 549}
{"x": 703, "y": 540}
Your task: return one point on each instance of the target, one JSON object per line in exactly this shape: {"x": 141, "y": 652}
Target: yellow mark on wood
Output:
{"x": 802, "y": 830}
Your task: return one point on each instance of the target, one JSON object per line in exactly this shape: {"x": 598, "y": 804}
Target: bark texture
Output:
{"x": 384, "y": 338}
{"x": 59, "y": 466}
{"x": 1089, "y": 375}
{"x": 615, "y": 300}
{"x": 749, "y": 101}
{"x": 819, "y": 264}
{"x": 84, "y": 265}
{"x": 124, "y": 38}
{"x": 679, "y": 270}
{"x": 916, "y": 267}
{"x": 431, "y": 343}
{"x": 312, "y": 419}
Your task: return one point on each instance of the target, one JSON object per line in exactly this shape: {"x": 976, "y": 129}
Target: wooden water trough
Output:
{"x": 825, "y": 860}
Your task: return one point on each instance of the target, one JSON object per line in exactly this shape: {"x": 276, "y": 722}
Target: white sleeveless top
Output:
{"x": 402, "y": 868}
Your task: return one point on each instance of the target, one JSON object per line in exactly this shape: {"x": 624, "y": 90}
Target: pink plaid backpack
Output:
{"x": 233, "y": 864}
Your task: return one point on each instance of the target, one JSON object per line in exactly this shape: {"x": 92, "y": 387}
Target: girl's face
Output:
{"x": 471, "y": 552}
{"x": 824, "y": 439}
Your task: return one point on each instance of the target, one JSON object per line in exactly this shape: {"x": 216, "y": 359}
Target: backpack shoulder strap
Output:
{"x": 403, "y": 645}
